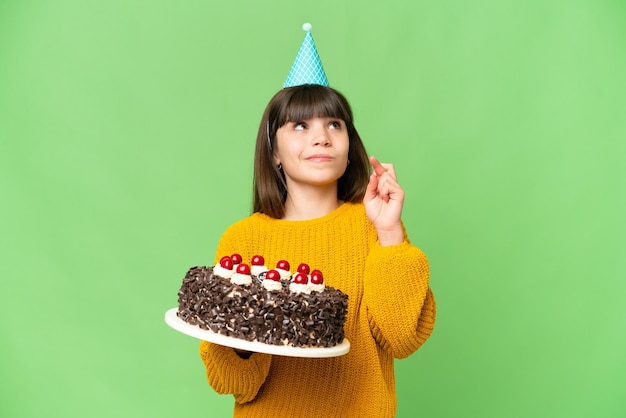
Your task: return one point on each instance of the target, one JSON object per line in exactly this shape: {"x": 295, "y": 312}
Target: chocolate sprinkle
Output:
{"x": 254, "y": 314}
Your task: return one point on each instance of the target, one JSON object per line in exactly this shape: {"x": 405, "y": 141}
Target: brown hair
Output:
{"x": 295, "y": 104}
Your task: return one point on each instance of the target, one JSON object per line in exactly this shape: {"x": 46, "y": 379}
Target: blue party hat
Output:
{"x": 307, "y": 68}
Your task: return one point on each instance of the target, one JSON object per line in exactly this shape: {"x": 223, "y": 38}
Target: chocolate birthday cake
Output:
{"x": 271, "y": 306}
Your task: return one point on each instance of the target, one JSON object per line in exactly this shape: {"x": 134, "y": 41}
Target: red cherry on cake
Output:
{"x": 258, "y": 260}
{"x": 316, "y": 277}
{"x": 300, "y": 278}
{"x": 283, "y": 265}
{"x": 243, "y": 269}
{"x": 236, "y": 258}
{"x": 226, "y": 262}
{"x": 303, "y": 268}
{"x": 272, "y": 275}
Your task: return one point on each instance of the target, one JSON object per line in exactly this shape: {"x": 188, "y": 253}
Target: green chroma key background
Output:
{"x": 126, "y": 137}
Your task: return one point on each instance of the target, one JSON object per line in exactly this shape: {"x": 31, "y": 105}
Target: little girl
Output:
{"x": 315, "y": 202}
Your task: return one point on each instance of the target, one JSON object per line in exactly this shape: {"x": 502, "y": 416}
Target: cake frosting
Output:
{"x": 271, "y": 306}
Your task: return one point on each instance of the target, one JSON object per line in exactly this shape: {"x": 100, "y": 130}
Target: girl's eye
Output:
{"x": 335, "y": 125}
{"x": 299, "y": 126}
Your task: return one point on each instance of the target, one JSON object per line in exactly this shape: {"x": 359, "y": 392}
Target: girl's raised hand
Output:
{"x": 383, "y": 202}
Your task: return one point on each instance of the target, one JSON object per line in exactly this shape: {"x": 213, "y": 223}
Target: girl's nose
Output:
{"x": 321, "y": 137}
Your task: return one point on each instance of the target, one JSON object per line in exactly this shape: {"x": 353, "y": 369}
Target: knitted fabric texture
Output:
{"x": 391, "y": 313}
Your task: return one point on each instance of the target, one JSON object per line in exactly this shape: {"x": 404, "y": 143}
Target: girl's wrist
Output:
{"x": 390, "y": 237}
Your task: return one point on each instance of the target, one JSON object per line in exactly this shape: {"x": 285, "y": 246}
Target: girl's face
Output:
{"x": 312, "y": 151}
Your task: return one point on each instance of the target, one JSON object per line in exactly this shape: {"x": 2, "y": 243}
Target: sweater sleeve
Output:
{"x": 226, "y": 372}
{"x": 400, "y": 304}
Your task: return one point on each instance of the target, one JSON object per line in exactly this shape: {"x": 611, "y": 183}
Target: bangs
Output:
{"x": 314, "y": 101}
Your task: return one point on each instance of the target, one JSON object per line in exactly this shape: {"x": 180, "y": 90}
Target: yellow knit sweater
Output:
{"x": 391, "y": 312}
